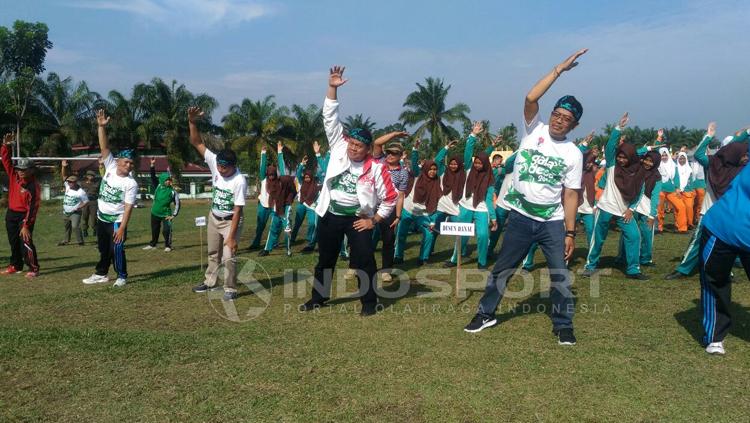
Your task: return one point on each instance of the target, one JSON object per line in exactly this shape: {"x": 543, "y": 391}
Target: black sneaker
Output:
{"x": 479, "y": 322}
{"x": 311, "y": 305}
{"x": 637, "y": 276}
{"x": 398, "y": 260}
{"x": 565, "y": 336}
{"x": 449, "y": 263}
{"x": 368, "y": 310}
{"x": 649, "y": 264}
{"x": 674, "y": 275}
{"x": 587, "y": 273}
{"x": 263, "y": 253}
{"x": 308, "y": 249}
{"x": 204, "y": 288}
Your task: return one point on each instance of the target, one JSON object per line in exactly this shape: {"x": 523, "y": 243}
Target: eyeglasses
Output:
{"x": 562, "y": 117}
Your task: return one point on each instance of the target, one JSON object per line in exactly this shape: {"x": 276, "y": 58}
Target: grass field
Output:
{"x": 154, "y": 351}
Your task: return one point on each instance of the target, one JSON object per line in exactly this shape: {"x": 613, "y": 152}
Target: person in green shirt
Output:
{"x": 161, "y": 211}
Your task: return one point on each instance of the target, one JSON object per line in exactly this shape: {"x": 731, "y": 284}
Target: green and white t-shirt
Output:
{"x": 543, "y": 167}
{"x": 344, "y": 200}
{"x": 73, "y": 199}
{"x": 114, "y": 192}
{"x": 227, "y": 192}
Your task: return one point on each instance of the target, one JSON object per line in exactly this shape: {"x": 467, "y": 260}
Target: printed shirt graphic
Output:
{"x": 73, "y": 199}
{"x": 344, "y": 200}
{"x": 227, "y": 192}
{"x": 542, "y": 168}
{"x": 114, "y": 192}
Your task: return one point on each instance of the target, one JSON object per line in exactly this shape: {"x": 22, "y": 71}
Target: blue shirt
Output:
{"x": 729, "y": 218}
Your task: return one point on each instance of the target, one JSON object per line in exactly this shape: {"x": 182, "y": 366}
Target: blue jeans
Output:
{"x": 520, "y": 233}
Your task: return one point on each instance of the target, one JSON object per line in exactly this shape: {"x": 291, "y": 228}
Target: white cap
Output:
{"x": 726, "y": 140}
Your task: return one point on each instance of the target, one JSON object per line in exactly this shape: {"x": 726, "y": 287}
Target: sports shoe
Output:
{"x": 449, "y": 263}
{"x": 120, "y": 282}
{"x": 479, "y": 323}
{"x": 637, "y": 276}
{"x": 9, "y": 270}
{"x": 587, "y": 273}
{"x": 229, "y": 296}
{"x": 565, "y": 336}
{"x": 61, "y": 243}
{"x": 368, "y": 310}
{"x": 386, "y": 277}
{"x": 95, "y": 279}
{"x": 308, "y": 249}
{"x": 674, "y": 276}
{"x": 311, "y": 305}
{"x": 32, "y": 275}
{"x": 262, "y": 253}
{"x": 715, "y": 348}
{"x": 167, "y": 249}
{"x": 205, "y": 288}
{"x": 149, "y": 247}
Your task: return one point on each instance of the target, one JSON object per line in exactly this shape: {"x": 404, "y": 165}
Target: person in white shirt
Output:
{"x": 543, "y": 201}
{"x": 117, "y": 195}
{"x": 225, "y": 218}
{"x": 74, "y": 200}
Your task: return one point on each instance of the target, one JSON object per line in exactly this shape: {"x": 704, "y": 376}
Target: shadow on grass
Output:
{"x": 85, "y": 265}
{"x": 692, "y": 319}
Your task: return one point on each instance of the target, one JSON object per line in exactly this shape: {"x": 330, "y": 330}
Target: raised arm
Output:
{"x": 301, "y": 169}
{"x": 414, "y": 159}
{"x": 700, "y": 152}
{"x": 263, "y": 163}
{"x": 194, "y": 115}
{"x": 280, "y": 158}
{"x": 64, "y": 170}
{"x": 440, "y": 158}
{"x": 531, "y": 105}
{"x": 152, "y": 173}
{"x": 102, "y": 120}
{"x": 5, "y": 153}
{"x": 470, "y": 142}
{"x": 610, "y": 151}
{"x": 331, "y": 122}
{"x": 377, "y": 145}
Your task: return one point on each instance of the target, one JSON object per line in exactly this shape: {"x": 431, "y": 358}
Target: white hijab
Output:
{"x": 685, "y": 171}
{"x": 666, "y": 169}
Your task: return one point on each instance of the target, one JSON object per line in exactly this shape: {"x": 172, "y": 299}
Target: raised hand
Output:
{"x": 316, "y": 147}
{"x": 8, "y": 138}
{"x": 660, "y": 134}
{"x": 101, "y": 118}
{"x": 570, "y": 62}
{"x": 336, "y": 77}
{"x": 195, "y": 114}
{"x": 451, "y": 143}
{"x": 263, "y": 149}
{"x": 711, "y": 131}
{"x": 588, "y": 138}
{"x": 624, "y": 121}
{"x": 279, "y": 147}
{"x": 153, "y": 162}
{"x": 417, "y": 142}
{"x": 304, "y": 160}
{"x": 64, "y": 163}
{"x": 497, "y": 140}
{"x": 477, "y": 128}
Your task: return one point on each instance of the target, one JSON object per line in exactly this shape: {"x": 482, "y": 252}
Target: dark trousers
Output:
{"x": 388, "y": 236}
{"x": 362, "y": 258}
{"x": 521, "y": 232}
{"x": 20, "y": 251}
{"x": 716, "y": 260}
{"x": 88, "y": 215}
{"x": 166, "y": 228}
{"x": 109, "y": 252}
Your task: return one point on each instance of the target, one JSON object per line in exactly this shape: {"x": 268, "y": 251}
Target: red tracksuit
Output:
{"x": 23, "y": 205}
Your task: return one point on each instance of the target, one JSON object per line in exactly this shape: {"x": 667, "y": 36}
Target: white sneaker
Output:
{"x": 166, "y": 250}
{"x": 715, "y": 348}
{"x": 120, "y": 282}
{"x": 95, "y": 279}
{"x": 386, "y": 277}
{"x": 148, "y": 247}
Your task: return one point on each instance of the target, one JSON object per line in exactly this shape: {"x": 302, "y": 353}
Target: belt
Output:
{"x": 222, "y": 218}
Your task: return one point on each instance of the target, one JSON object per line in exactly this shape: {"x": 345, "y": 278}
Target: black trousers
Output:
{"x": 716, "y": 260}
{"x": 109, "y": 252}
{"x": 166, "y": 227}
{"x": 20, "y": 252}
{"x": 388, "y": 236}
{"x": 331, "y": 231}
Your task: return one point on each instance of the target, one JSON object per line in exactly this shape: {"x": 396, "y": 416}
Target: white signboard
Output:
{"x": 200, "y": 221}
{"x": 454, "y": 228}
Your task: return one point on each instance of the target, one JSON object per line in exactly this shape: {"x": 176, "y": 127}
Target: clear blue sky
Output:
{"x": 666, "y": 62}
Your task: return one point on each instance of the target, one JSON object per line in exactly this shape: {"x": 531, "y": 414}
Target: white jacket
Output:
{"x": 375, "y": 190}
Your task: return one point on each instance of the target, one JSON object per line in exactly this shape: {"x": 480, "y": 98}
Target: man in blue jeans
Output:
{"x": 547, "y": 169}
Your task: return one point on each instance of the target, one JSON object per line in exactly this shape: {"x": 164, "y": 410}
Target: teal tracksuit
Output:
{"x": 302, "y": 212}
{"x": 263, "y": 213}
{"x": 629, "y": 230}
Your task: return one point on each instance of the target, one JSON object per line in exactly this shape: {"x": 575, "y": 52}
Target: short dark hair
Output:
{"x": 226, "y": 157}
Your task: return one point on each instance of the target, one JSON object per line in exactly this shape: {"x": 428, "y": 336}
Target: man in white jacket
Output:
{"x": 356, "y": 195}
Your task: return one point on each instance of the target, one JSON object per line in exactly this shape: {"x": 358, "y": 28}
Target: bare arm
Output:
{"x": 64, "y": 169}
{"x": 194, "y": 115}
{"x": 119, "y": 236}
{"x": 102, "y": 120}
{"x": 570, "y": 207}
{"x": 377, "y": 145}
{"x": 531, "y": 106}
{"x": 231, "y": 240}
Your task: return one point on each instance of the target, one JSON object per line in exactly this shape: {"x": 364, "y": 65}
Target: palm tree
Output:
{"x": 129, "y": 116}
{"x": 165, "y": 113}
{"x": 62, "y": 111}
{"x": 358, "y": 121}
{"x": 426, "y": 108}
{"x": 308, "y": 127}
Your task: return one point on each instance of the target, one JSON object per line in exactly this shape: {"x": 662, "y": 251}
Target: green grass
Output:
{"x": 154, "y": 351}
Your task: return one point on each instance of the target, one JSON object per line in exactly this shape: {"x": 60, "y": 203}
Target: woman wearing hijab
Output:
{"x": 670, "y": 192}
{"x": 645, "y": 211}
{"x": 720, "y": 169}
{"x": 622, "y": 192}
{"x": 307, "y": 197}
{"x": 420, "y": 207}
{"x": 268, "y": 175}
{"x": 281, "y": 197}
{"x": 687, "y": 192}
{"x": 476, "y": 204}
{"x": 588, "y": 193}
{"x": 452, "y": 180}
